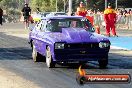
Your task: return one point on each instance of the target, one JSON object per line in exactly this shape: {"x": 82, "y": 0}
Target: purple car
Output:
{"x": 68, "y": 39}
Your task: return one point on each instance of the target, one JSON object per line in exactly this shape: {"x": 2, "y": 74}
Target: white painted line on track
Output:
{"x": 116, "y": 47}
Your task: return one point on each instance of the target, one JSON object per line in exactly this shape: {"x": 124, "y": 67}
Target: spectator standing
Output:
{"x": 26, "y": 13}
{"x": 110, "y": 20}
{"x": 81, "y": 10}
{"x": 130, "y": 11}
{"x": 1, "y": 14}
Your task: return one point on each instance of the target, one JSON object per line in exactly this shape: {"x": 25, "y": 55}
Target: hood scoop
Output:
{"x": 77, "y": 34}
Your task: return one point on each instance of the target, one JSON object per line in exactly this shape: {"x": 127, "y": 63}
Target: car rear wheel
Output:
{"x": 103, "y": 63}
{"x": 49, "y": 60}
{"x": 35, "y": 55}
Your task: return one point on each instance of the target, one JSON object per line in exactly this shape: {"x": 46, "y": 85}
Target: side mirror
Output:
{"x": 31, "y": 28}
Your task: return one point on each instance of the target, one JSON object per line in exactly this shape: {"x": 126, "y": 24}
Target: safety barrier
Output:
{"x": 11, "y": 18}
{"x": 122, "y": 22}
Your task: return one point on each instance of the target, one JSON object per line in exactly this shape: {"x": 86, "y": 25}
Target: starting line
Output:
{"x": 121, "y": 42}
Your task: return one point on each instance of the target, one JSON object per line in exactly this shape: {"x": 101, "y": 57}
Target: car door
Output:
{"x": 37, "y": 37}
{"x": 41, "y": 44}
{"x": 40, "y": 41}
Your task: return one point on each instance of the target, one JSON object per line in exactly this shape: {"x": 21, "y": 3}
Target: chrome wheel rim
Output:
{"x": 34, "y": 54}
{"x": 48, "y": 57}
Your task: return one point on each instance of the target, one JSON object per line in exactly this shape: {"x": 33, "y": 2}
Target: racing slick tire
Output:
{"x": 35, "y": 55}
{"x": 103, "y": 63}
{"x": 49, "y": 59}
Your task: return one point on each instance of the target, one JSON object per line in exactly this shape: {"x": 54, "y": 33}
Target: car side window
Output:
{"x": 88, "y": 25}
{"x": 39, "y": 25}
{"x": 49, "y": 26}
{"x": 53, "y": 26}
{"x": 43, "y": 26}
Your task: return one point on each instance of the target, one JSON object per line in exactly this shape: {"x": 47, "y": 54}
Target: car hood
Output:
{"x": 76, "y": 35}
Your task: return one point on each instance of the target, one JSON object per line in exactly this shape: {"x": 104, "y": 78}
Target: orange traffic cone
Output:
{"x": 97, "y": 29}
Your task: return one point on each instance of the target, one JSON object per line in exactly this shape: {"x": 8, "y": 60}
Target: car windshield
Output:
{"x": 56, "y": 25}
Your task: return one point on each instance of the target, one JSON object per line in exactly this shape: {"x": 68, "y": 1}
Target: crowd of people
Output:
{"x": 107, "y": 18}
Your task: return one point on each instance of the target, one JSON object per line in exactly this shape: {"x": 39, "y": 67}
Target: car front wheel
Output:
{"x": 35, "y": 55}
{"x": 49, "y": 60}
{"x": 103, "y": 63}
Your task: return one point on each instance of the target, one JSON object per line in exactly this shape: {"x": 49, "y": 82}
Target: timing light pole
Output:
{"x": 105, "y": 4}
{"x": 64, "y": 5}
{"x": 116, "y": 5}
{"x": 56, "y": 5}
{"x": 70, "y": 7}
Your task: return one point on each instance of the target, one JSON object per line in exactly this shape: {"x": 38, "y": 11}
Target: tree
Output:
{"x": 100, "y": 4}
{"x": 44, "y": 5}
{"x": 125, "y": 3}
{"x": 16, "y": 4}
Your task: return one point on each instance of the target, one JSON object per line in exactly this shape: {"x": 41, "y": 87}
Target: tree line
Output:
{"x": 50, "y": 5}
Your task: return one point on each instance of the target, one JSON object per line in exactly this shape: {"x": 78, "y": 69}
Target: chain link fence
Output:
{"x": 11, "y": 18}
{"x": 11, "y": 15}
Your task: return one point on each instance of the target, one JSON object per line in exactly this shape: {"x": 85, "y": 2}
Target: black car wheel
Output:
{"x": 103, "y": 63}
{"x": 49, "y": 60}
{"x": 35, "y": 55}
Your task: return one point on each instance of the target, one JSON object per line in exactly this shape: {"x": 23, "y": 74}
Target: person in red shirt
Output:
{"x": 110, "y": 20}
{"x": 81, "y": 10}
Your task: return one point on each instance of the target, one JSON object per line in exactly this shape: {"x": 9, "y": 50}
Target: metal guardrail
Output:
{"x": 123, "y": 22}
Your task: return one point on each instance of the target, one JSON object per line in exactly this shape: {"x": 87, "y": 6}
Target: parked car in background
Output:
{"x": 68, "y": 39}
{"x": 56, "y": 14}
{"x": 38, "y": 16}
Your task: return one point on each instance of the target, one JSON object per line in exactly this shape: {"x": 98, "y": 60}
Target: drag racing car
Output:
{"x": 67, "y": 39}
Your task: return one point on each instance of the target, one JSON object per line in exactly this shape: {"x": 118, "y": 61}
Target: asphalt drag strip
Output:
{"x": 15, "y": 57}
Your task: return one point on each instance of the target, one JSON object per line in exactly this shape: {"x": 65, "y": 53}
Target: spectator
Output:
{"x": 1, "y": 14}
{"x": 130, "y": 11}
{"x": 121, "y": 12}
{"x": 110, "y": 20}
{"x": 81, "y": 10}
{"x": 26, "y": 13}
{"x": 125, "y": 12}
